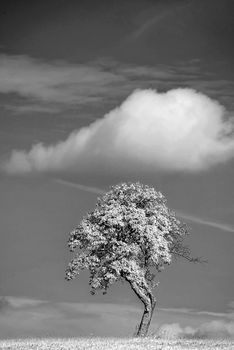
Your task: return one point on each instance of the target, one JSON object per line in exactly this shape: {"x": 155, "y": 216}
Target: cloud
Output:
{"x": 31, "y": 108}
{"x": 148, "y": 25}
{"x": 212, "y": 329}
{"x": 23, "y": 302}
{"x": 173, "y": 331}
{"x": 89, "y": 189}
{"x": 161, "y": 14}
{"x": 180, "y": 130}
{"x": 59, "y": 82}
{"x": 220, "y": 329}
{"x": 25, "y": 317}
{"x": 228, "y": 315}
{"x": 197, "y": 220}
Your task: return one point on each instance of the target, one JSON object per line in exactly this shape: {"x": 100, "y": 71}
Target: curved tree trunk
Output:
{"x": 146, "y": 319}
{"x": 147, "y": 298}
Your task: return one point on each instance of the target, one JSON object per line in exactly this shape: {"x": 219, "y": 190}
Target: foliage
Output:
{"x": 130, "y": 235}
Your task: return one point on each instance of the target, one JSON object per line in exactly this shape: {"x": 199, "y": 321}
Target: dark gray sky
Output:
{"x": 64, "y": 65}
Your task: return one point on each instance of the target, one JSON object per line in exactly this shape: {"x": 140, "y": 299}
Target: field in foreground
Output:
{"x": 114, "y": 344}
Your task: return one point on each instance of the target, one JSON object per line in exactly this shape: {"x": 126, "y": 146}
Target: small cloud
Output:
{"x": 32, "y": 108}
{"x": 180, "y": 130}
{"x": 216, "y": 329}
{"x": 212, "y": 329}
{"x": 174, "y": 331}
{"x": 24, "y": 302}
{"x": 89, "y": 189}
{"x": 211, "y": 223}
{"x": 193, "y": 312}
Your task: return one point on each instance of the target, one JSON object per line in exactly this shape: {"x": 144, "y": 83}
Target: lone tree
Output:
{"x": 130, "y": 235}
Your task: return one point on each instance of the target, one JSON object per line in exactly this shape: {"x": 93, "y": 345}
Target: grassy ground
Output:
{"x": 115, "y": 344}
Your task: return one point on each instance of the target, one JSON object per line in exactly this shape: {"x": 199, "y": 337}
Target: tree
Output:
{"x": 130, "y": 236}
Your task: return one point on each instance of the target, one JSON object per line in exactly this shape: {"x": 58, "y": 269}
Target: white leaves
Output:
{"x": 130, "y": 230}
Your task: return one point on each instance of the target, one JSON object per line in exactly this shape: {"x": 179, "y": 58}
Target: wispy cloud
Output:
{"x": 24, "y": 302}
{"x": 156, "y": 16}
{"x": 198, "y": 220}
{"x": 32, "y": 108}
{"x": 80, "y": 187}
{"x": 59, "y": 82}
{"x": 147, "y": 25}
{"x": 193, "y": 312}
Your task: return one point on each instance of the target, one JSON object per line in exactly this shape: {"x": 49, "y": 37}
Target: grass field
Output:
{"x": 115, "y": 344}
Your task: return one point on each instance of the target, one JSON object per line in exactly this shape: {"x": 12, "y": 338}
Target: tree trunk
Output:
{"x": 147, "y": 298}
{"x": 146, "y": 319}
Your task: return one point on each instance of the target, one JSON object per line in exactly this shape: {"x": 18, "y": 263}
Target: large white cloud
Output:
{"x": 179, "y": 130}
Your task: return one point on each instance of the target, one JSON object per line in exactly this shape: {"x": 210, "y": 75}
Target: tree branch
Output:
{"x": 190, "y": 258}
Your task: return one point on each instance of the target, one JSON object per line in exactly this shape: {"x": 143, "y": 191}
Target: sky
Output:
{"x": 97, "y": 93}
